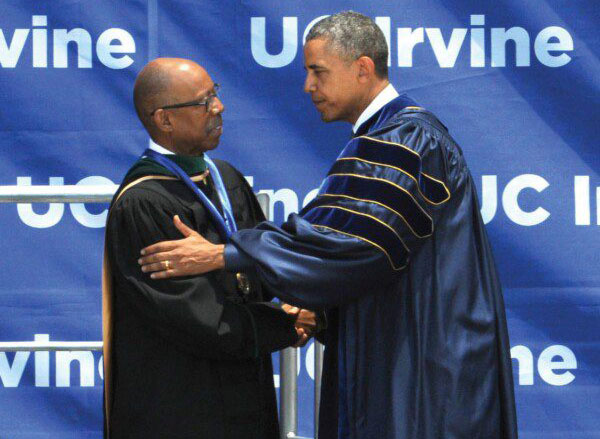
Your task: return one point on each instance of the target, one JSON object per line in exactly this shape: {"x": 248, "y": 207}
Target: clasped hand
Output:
{"x": 305, "y": 323}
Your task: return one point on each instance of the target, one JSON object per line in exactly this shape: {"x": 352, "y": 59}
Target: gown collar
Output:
{"x": 384, "y": 97}
{"x": 378, "y": 119}
{"x": 190, "y": 164}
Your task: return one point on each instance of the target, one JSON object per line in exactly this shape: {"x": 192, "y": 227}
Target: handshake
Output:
{"x": 307, "y": 323}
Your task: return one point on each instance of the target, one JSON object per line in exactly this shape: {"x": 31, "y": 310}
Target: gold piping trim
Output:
{"x": 415, "y": 153}
{"x": 440, "y": 182}
{"x": 390, "y": 183}
{"x": 195, "y": 179}
{"x": 382, "y": 205}
{"x": 201, "y": 177}
{"x": 366, "y": 240}
{"x": 403, "y": 171}
{"x": 368, "y": 216}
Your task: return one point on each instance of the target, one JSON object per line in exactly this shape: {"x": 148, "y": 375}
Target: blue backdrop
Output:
{"x": 517, "y": 83}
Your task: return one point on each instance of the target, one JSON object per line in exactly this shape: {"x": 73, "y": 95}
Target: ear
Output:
{"x": 366, "y": 69}
{"x": 162, "y": 121}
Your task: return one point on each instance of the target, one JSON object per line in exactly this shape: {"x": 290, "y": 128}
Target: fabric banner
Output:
{"x": 517, "y": 84}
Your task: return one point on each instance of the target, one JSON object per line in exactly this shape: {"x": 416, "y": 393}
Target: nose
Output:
{"x": 309, "y": 83}
{"x": 216, "y": 106}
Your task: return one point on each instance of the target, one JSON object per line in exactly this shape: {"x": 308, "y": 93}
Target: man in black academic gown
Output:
{"x": 189, "y": 357}
{"x": 394, "y": 248}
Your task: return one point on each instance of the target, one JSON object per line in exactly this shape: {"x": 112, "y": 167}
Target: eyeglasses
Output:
{"x": 208, "y": 101}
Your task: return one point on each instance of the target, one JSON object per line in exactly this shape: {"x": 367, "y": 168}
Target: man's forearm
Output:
{"x": 234, "y": 260}
{"x": 182, "y": 257}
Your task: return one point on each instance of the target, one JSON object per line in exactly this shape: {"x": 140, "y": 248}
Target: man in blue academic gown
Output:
{"x": 394, "y": 248}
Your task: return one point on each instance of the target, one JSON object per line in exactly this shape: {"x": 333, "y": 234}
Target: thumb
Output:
{"x": 185, "y": 230}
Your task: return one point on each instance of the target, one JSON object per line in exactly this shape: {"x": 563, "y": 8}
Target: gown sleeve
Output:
{"x": 377, "y": 205}
{"x": 193, "y": 312}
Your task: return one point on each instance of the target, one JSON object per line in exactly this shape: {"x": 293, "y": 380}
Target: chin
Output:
{"x": 326, "y": 117}
{"x": 212, "y": 146}
{"x": 201, "y": 149}
{"x": 329, "y": 118}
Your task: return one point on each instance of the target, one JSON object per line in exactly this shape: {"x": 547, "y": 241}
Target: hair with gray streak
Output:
{"x": 353, "y": 35}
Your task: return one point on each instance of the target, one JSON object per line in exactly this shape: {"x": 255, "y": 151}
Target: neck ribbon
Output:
{"x": 225, "y": 223}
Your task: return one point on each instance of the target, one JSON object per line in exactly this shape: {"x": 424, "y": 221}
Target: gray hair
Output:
{"x": 353, "y": 35}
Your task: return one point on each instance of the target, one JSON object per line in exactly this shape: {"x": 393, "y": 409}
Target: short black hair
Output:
{"x": 151, "y": 87}
{"x": 353, "y": 35}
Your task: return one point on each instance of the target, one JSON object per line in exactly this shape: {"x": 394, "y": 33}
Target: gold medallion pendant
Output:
{"x": 243, "y": 283}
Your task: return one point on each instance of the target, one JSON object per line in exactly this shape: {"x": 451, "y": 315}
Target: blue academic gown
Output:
{"x": 395, "y": 250}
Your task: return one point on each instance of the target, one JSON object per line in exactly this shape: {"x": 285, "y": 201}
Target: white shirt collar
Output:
{"x": 156, "y": 147}
{"x": 384, "y": 97}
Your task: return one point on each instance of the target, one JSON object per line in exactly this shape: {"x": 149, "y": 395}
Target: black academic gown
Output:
{"x": 395, "y": 249}
{"x": 191, "y": 356}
